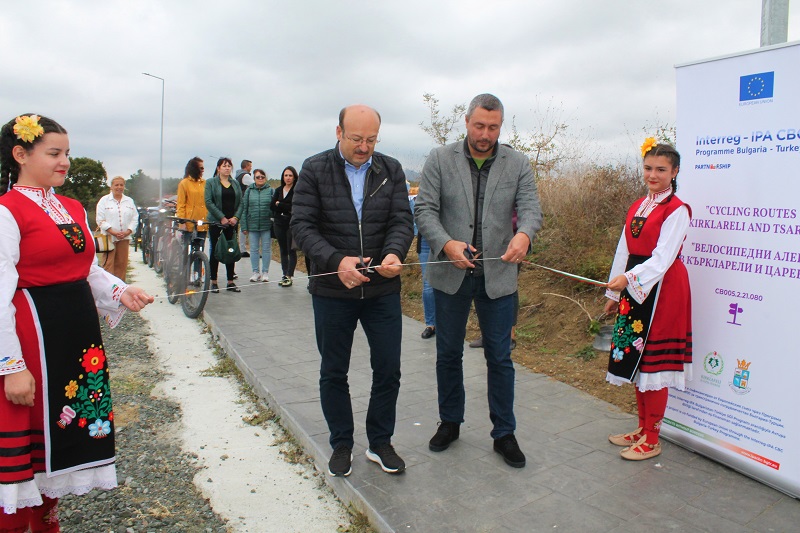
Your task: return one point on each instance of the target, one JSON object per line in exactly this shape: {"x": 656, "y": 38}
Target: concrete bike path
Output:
{"x": 574, "y": 479}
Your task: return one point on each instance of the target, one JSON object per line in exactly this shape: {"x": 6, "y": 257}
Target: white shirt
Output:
{"x": 117, "y": 216}
{"x": 643, "y": 277}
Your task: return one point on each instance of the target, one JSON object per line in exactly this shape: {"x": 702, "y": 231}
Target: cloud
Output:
{"x": 265, "y": 80}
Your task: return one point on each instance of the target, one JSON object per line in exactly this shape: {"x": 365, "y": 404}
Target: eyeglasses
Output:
{"x": 372, "y": 141}
{"x": 261, "y": 177}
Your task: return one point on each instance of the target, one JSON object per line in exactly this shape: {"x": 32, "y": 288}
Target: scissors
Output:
{"x": 470, "y": 255}
{"x": 367, "y": 268}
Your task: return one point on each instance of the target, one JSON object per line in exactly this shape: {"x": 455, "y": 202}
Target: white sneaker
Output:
{"x": 255, "y": 277}
{"x": 264, "y": 277}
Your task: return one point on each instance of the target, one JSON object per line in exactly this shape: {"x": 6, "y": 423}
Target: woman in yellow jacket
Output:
{"x": 191, "y": 194}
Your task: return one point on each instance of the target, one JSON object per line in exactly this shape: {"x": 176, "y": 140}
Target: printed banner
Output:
{"x": 738, "y": 126}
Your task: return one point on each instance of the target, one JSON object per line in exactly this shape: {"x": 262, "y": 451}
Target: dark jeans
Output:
{"x": 288, "y": 255}
{"x": 213, "y": 234}
{"x": 335, "y": 321}
{"x": 495, "y": 318}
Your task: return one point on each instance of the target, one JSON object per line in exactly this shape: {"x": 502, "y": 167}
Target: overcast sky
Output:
{"x": 264, "y": 79}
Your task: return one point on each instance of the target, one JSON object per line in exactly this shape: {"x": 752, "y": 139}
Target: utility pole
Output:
{"x": 161, "y": 151}
{"x": 774, "y": 21}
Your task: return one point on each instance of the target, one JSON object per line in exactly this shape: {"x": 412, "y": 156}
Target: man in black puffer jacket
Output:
{"x": 351, "y": 208}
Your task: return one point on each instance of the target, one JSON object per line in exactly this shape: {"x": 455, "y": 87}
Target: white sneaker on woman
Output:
{"x": 255, "y": 277}
{"x": 264, "y": 277}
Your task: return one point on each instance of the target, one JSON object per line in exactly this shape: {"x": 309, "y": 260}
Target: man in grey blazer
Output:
{"x": 467, "y": 196}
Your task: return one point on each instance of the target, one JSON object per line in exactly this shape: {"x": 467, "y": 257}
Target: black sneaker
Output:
{"x": 341, "y": 461}
{"x": 507, "y": 447}
{"x": 447, "y": 433}
{"x": 385, "y": 456}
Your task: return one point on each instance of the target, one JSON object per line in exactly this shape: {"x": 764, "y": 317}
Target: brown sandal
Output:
{"x": 626, "y": 439}
{"x": 641, "y": 451}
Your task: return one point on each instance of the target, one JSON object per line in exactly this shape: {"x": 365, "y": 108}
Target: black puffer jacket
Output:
{"x": 325, "y": 223}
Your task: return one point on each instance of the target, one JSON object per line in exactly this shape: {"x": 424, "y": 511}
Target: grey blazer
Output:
{"x": 445, "y": 210}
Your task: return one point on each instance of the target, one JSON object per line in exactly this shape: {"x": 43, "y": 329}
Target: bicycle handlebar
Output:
{"x": 196, "y": 222}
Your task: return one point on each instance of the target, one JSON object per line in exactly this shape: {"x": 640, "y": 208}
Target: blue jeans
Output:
{"x": 242, "y": 237}
{"x": 495, "y": 317}
{"x": 335, "y": 321}
{"x": 428, "y": 303}
{"x": 260, "y": 245}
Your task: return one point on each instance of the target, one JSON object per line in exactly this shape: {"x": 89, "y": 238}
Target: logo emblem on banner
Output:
{"x": 756, "y": 86}
{"x": 741, "y": 377}
{"x": 713, "y": 365}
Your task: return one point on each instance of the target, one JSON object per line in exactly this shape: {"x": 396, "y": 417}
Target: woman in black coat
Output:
{"x": 282, "y": 211}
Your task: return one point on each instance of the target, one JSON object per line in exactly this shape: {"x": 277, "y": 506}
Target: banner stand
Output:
{"x": 738, "y": 125}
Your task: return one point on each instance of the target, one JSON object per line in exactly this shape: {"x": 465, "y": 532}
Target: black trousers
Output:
{"x": 213, "y": 234}
{"x": 335, "y": 320}
{"x": 288, "y": 254}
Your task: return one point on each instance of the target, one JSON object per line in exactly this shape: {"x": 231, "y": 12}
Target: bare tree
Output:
{"x": 441, "y": 127}
{"x": 548, "y": 146}
{"x": 540, "y": 147}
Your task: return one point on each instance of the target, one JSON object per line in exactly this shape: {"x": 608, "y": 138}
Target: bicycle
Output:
{"x": 186, "y": 266}
{"x": 161, "y": 227}
{"x": 137, "y": 237}
{"x": 142, "y": 235}
{"x": 146, "y": 237}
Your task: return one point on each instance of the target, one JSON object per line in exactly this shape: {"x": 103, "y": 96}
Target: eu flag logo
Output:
{"x": 756, "y": 86}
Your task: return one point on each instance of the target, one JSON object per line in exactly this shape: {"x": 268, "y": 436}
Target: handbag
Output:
{"x": 227, "y": 250}
{"x": 102, "y": 242}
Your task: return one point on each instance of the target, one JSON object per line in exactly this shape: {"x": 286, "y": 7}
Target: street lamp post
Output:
{"x": 161, "y": 156}
{"x": 774, "y": 21}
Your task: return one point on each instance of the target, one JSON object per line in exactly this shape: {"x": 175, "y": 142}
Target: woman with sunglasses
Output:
{"x": 257, "y": 225}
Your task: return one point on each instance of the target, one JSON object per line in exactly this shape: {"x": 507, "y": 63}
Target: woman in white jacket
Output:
{"x": 117, "y": 216}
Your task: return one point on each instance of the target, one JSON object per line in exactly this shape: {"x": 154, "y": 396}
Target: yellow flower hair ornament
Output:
{"x": 648, "y": 145}
{"x": 27, "y": 128}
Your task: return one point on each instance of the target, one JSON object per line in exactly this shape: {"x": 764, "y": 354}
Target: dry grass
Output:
{"x": 584, "y": 210}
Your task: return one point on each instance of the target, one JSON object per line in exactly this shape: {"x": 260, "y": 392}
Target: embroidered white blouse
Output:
{"x": 115, "y": 215}
{"x": 643, "y": 277}
{"x": 106, "y": 288}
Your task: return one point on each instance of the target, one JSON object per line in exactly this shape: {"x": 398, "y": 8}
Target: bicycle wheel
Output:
{"x": 158, "y": 255}
{"x": 197, "y": 283}
{"x": 172, "y": 271}
{"x": 146, "y": 247}
{"x": 151, "y": 249}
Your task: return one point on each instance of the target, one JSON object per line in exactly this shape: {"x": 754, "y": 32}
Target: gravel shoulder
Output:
{"x": 193, "y": 454}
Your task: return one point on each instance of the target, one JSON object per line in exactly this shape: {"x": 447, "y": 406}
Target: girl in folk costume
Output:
{"x": 56, "y": 417}
{"x": 649, "y": 288}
